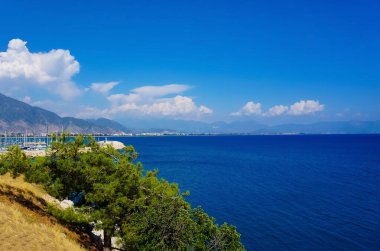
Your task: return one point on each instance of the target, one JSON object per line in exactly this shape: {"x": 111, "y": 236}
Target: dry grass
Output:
{"x": 34, "y": 189}
{"x": 19, "y": 182}
{"x": 23, "y": 231}
{"x": 24, "y": 223}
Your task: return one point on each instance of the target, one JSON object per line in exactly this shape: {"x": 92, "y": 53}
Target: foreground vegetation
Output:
{"x": 113, "y": 193}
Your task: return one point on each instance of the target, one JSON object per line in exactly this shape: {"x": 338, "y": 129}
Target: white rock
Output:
{"x": 66, "y": 204}
{"x": 115, "y": 144}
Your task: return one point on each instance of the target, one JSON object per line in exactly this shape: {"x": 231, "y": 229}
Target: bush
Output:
{"x": 14, "y": 161}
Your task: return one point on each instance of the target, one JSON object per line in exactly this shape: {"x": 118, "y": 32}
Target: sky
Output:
{"x": 268, "y": 61}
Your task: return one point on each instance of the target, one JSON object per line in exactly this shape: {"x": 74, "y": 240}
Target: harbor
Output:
{"x": 34, "y": 146}
{"x": 25, "y": 141}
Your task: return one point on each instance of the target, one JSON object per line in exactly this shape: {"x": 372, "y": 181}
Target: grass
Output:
{"x": 19, "y": 183}
{"x": 25, "y": 224}
{"x": 21, "y": 230}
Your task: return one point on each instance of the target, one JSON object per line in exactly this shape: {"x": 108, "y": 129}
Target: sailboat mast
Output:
{"x": 47, "y": 134}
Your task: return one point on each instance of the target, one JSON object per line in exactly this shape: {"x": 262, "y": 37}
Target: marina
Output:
{"x": 34, "y": 146}
{"x": 24, "y": 141}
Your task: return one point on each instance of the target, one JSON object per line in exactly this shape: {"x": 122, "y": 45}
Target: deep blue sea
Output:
{"x": 301, "y": 192}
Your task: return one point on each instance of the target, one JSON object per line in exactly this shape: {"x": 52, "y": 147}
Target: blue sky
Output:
{"x": 270, "y": 61}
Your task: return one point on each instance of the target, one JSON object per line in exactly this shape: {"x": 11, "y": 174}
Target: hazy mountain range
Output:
{"x": 252, "y": 127}
{"x": 17, "y": 116}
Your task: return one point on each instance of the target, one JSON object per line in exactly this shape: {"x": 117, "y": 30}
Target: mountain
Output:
{"x": 249, "y": 126}
{"x": 17, "y": 117}
{"x": 167, "y": 125}
{"x": 338, "y": 127}
{"x": 108, "y": 123}
{"x": 327, "y": 127}
{"x": 253, "y": 127}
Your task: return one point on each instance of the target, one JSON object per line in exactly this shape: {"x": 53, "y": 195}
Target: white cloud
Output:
{"x": 250, "y": 108}
{"x": 147, "y": 93}
{"x": 53, "y": 70}
{"x": 37, "y": 75}
{"x": 26, "y": 99}
{"x": 205, "y": 110}
{"x": 159, "y": 91}
{"x": 276, "y": 110}
{"x": 304, "y": 107}
{"x": 91, "y": 113}
{"x": 103, "y": 88}
{"x": 153, "y": 101}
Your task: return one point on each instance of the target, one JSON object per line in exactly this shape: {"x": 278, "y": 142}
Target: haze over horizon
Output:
{"x": 270, "y": 62}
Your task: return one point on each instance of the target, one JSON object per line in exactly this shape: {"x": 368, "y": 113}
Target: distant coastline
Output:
{"x": 159, "y": 134}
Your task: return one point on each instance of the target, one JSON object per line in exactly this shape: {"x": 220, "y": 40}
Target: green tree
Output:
{"x": 210, "y": 236}
{"x": 161, "y": 220}
{"x": 38, "y": 172}
{"x": 66, "y": 166}
{"x": 165, "y": 221}
{"x": 14, "y": 161}
{"x": 108, "y": 178}
{"x": 113, "y": 187}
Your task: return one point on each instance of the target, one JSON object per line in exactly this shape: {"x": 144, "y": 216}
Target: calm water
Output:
{"x": 282, "y": 192}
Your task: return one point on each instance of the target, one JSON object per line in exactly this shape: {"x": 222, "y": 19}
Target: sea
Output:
{"x": 282, "y": 192}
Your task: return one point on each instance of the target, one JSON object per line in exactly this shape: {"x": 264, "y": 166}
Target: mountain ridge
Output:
{"x": 253, "y": 127}
{"x": 17, "y": 116}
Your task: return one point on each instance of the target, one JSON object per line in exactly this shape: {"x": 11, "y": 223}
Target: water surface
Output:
{"x": 304, "y": 192}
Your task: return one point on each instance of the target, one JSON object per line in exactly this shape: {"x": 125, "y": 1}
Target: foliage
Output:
{"x": 210, "y": 236}
{"x": 14, "y": 161}
{"x": 37, "y": 172}
{"x": 161, "y": 220}
{"x": 68, "y": 215}
{"x": 146, "y": 212}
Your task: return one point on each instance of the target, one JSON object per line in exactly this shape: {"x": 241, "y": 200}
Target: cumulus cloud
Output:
{"x": 159, "y": 91}
{"x": 276, "y": 110}
{"x": 303, "y": 107}
{"x": 156, "y": 101}
{"x": 250, "y": 108}
{"x": 53, "y": 70}
{"x": 103, "y": 88}
{"x": 205, "y": 110}
{"x": 36, "y": 75}
{"x": 91, "y": 113}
